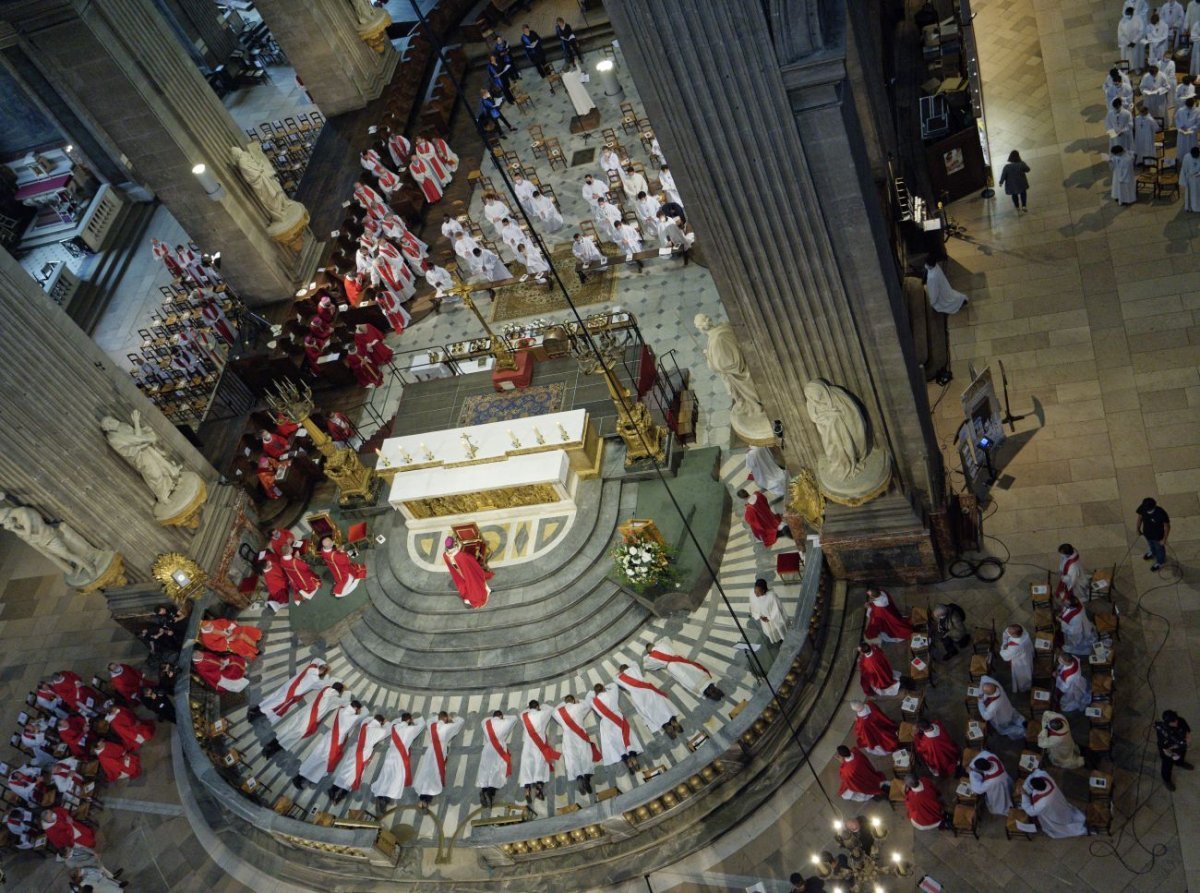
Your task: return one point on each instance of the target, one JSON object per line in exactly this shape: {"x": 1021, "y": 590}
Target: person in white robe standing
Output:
{"x": 990, "y": 780}
{"x": 430, "y": 779}
{"x": 761, "y": 464}
{"x": 360, "y": 748}
{"x": 1124, "y": 188}
{"x": 451, "y": 227}
{"x": 1117, "y": 86}
{"x": 1130, "y": 31}
{"x": 628, "y": 238}
{"x": 1154, "y": 89}
{"x": 942, "y": 297}
{"x": 547, "y": 212}
{"x": 1079, "y": 634}
{"x": 328, "y": 752}
{"x": 486, "y": 264}
{"x": 464, "y": 245}
{"x": 1118, "y": 124}
{"x": 534, "y": 262}
{"x": 495, "y": 211}
{"x": 524, "y": 190}
{"x": 1073, "y": 689}
{"x": 652, "y": 704}
{"x": 439, "y": 278}
{"x": 303, "y": 721}
{"x": 585, "y": 250}
{"x": 997, "y": 710}
{"x": 276, "y": 705}
{"x": 1017, "y": 649}
{"x": 397, "y": 771}
{"x": 1189, "y": 179}
{"x": 1194, "y": 35}
{"x": 608, "y": 216}
{"x": 580, "y": 753}
{"x": 592, "y": 190}
{"x": 1157, "y": 35}
{"x": 647, "y": 214}
{"x": 495, "y": 762}
{"x": 1187, "y": 116}
{"x": 1071, "y": 578}
{"x": 511, "y": 234}
{"x": 1172, "y": 15}
{"x": 1144, "y": 129}
{"x": 538, "y": 756}
{"x": 1056, "y": 740}
{"x": 765, "y": 608}
{"x": 1042, "y": 800}
{"x": 618, "y": 741}
{"x": 666, "y": 180}
{"x": 691, "y": 674}
{"x": 1191, "y": 17}
{"x": 633, "y": 182}
{"x": 610, "y": 161}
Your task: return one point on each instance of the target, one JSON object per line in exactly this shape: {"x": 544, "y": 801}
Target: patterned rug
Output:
{"x": 528, "y": 299}
{"x": 538, "y": 399}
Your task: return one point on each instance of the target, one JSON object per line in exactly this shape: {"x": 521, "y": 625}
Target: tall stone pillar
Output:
{"x": 767, "y": 152}
{"x": 58, "y": 385}
{"x": 123, "y": 71}
{"x": 325, "y": 43}
{"x": 201, "y": 21}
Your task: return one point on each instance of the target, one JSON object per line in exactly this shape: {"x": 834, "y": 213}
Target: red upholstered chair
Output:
{"x": 789, "y": 567}
{"x": 512, "y": 379}
{"x": 356, "y": 536}
{"x": 472, "y": 541}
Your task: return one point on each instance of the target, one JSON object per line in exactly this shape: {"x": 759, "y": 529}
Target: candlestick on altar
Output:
{"x": 515, "y": 442}
{"x": 405, "y": 457}
{"x": 426, "y": 453}
{"x": 469, "y": 446}
{"x": 562, "y": 432}
{"x": 537, "y": 435}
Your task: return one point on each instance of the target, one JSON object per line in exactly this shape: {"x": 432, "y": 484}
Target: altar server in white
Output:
{"x": 397, "y": 771}
{"x": 580, "y": 753}
{"x": 585, "y": 250}
{"x": 765, "y": 608}
{"x": 618, "y": 741}
{"x": 486, "y": 264}
{"x": 1130, "y": 31}
{"x": 524, "y": 190}
{"x": 767, "y": 474}
{"x": 276, "y": 705}
{"x": 990, "y": 780}
{"x": 547, "y": 212}
{"x": 431, "y": 771}
{"x": 942, "y": 297}
{"x": 495, "y": 763}
{"x": 608, "y": 215}
{"x": 691, "y": 674}
{"x": 651, "y": 702}
{"x": 997, "y": 710}
{"x": 1042, "y": 800}
{"x": 1118, "y": 124}
{"x": 1189, "y": 177}
{"x": 511, "y": 234}
{"x": 1124, "y": 187}
{"x": 1074, "y": 690}
{"x": 1017, "y": 649}
{"x": 538, "y": 756}
{"x": 360, "y": 749}
{"x": 303, "y": 722}
{"x": 324, "y": 758}
{"x": 534, "y": 261}
{"x": 1144, "y": 129}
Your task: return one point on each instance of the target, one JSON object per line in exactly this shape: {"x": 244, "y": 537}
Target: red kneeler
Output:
{"x": 788, "y": 567}
{"x": 511, "y": 379}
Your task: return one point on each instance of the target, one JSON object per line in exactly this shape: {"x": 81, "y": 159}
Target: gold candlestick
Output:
{"x": 470, "y": 447}
{"x": 537, "y": 435}
{"x": 425, "y": 451}
{"x": 512, "y": 437}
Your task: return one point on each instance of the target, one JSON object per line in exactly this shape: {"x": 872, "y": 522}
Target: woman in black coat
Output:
{"x": 1014, "y": 181}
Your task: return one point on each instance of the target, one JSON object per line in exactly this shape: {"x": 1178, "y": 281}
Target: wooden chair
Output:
{"x": 524, "y": 101}
{"x": 1043, "y": 620}
{"x": 322, "y": 525}
{"x": 357, "y": 536}
{"x": 919, "y": 618}
{"x": 1167, "y": 183}
{"x": 983, "y": 639}
{"x": 1015, "y": 816}
{"x": 1039, "y": 701}
{"x": 1100, "y": 785}
{"x": 610, "y": 138}
{"x": 1040, "y": 594}
{"x": 537, "y": 140}
{"x": 1108, "y": 626}
{"x": 976, "y": 732}
{"x": 1099, "y": 742}
{"x": 980, "y": 666}
{"x": 1101, "y": 584}
{"x": 965, "y": 819}
{"x": 1098, "y": 817}
{"x": 912, "y": 703}
{"x": 1146, "y": 181}
{"x": 629, "y": 118}
{"x": 555, "y": 154}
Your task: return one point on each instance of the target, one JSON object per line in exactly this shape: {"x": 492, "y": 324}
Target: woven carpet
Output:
{"x": 528, "y": 299}
{"x": 538, "y": 399}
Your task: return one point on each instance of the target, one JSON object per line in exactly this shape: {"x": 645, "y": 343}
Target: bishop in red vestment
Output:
{"x": 875, "y": 673}
{"x": 126, "y": 725}
{"x": 923, "y": 804}
{"x": 116, "y": 762}
{"x": 369, "y": 341}
{"x": 63, "y": 831}
{"x": 859, "y": 780}
{"x": 469, "y": 577}
{"x": 884, "y": 619}
{"x": 346, "y": 574}
{"x": 220, "y": 672}
{"x": 763, "y": 523}
{"x": 874, "y": 731}
{"x": 936, "y": 749}
{"x": 126, "y": 681}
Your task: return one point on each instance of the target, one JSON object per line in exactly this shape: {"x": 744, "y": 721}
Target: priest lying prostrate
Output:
{"x": 276, "y": 705}
{"x": 1017, "y": 649}
{"x": 1057, "y": 742}
{"x": 537, "y": 756}
{"x": 618, "y": 741}
{"x": 690, "y": 674}
{"x": 922, "y": 803}
{"x": 580, "y": 754}
{"x": 859, "y": 780}
{"x": 1074, "y": 690}
{"x": 651, "y": 702}
{"x": 397, "y": 771}
{"x": 764, "y": 524}
{"x": 875, "y": 673}
{"x": 495, "y": 762}
{"x": 874, "y": 732}
{"x": 431, "y": 772}
{"x": 324, "y": 758}
{"x": 303, "y": 723}
{"x": 765, "y": 608}
{"x": 936, "y": 749}
{"x": 1042, "y": 800}
{"x": 998, "y": 711}
{"x": 990, "y": 780}
{"x": 361, "y": 746}
{"x": 220, "y": 672}
{"x": 884, "y": 620}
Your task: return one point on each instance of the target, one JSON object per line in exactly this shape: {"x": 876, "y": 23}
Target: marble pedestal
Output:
{"x": 885, "y": 542}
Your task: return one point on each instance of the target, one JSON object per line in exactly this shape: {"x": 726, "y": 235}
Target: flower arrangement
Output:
{"x": 643, "y": 564}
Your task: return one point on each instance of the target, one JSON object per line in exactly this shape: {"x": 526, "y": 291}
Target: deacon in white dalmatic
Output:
{"x": 690, "y": 674}
{"x": 580, "y": 753}
{"x": 303, "y": 723}
{"x": 651, "y": 702}
{"x": 495, "y": 763}
{"x": 324, "y": 758}
{"x": 618, "y": 741}
{"x": 397, "y": 771}
{"x": 276, "y": 705}
{"x": 349, "y": 774}
{"x": 431, "y": 771}
{"x": 538, "y": 756}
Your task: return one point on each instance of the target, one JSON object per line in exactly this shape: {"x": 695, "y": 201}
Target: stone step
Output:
{"x": 94, "y": 293}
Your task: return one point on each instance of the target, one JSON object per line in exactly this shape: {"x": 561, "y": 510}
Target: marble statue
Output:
{"x": 139, "y": 447}
{"x": 725, "y": 358}
{"x": 851, "y": 471}
{"x": 841, "y": 425}
{"x": 365, "y": 11}
{"x": 69, "y": 551}
{"x": 259, "y": 175}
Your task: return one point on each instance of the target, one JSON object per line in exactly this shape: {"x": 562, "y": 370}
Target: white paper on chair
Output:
{"x": 1027, "y": 827}
{"x": 908, "y": 705}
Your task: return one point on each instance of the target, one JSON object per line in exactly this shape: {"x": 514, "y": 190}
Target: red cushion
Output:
{"x": 357, "y": 532}
{"x": 248, "y": 584}
{"x": 787, "y": 563}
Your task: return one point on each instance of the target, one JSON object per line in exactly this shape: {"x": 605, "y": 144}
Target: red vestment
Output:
{"x": 470, "y": 578}
{"x": 300, "y": 576}
{"x": 353, "y": 289}
{"x": 225, "y": 636}
{"x": 127, "y": 682}
{"x": 345, "y": 572}
{"x": 924, "y": 806}
{"x": 875, "y": 672}
{"x": 365, "y": 371}
{"x": 858, "y": 775}
{"x": 888, "y": 620}
{"x": 369, "y": 342}
{"x": 65, "y": 832}
{"x": 281, "y": 538}
{"x": 73, "y": 731}
{"x": 876, "y": 731}
{"x": 116, "y": 762}
{"x": 132, "y": 731}
{"x": 217, "y": 670}
{"x": 339, "y": 427}
{"x": 278, "y": 590}
{"x": 274, "y": 445}
{"x": 763, "y": 522}
{"x": 430, "y": 185}
{"x": 939, "y": 753}
{"x": 266, "y": 469}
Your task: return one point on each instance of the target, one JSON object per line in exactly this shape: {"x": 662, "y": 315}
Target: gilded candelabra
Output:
{"x": 499, "y": 345}
{"x": 342, "y": 465}
{"x": 643, "y": 438}
{"x": 862, "y": 865}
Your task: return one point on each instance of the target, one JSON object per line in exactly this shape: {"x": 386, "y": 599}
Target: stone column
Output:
{"x": 123, "y": 71}
{"x": 53, "y": 455}
{"x": 767, "y": 153}
{"x": 201, "y": 21}
{"x": 322, "y": 40}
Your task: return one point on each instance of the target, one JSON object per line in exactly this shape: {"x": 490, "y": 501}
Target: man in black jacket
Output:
{"x": 570, "y": 43}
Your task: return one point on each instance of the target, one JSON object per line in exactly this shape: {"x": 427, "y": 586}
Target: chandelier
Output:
{"x": 861, "y": 864}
